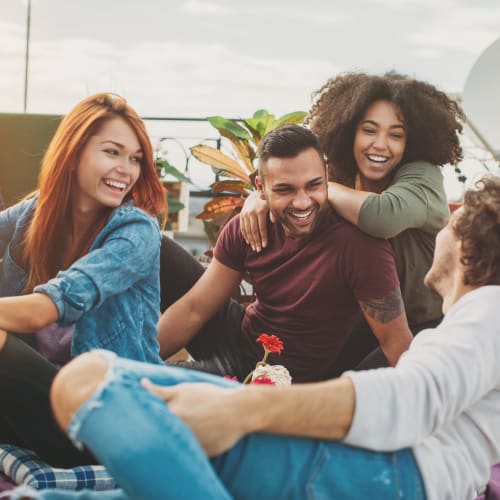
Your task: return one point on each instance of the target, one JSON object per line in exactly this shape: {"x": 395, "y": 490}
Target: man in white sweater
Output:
{"x": 427, "y": 428}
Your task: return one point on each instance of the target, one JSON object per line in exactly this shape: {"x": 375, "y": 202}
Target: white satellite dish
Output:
{"x": 481, "y": 99}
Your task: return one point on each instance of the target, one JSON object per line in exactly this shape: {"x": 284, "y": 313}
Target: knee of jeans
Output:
{"x": 75, "y": 383}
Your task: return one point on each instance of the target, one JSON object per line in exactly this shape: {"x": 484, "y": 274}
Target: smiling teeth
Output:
{"x": 377, "y": 159}
{"x": 302, "y": 215}
{"x": 116, "y": 184}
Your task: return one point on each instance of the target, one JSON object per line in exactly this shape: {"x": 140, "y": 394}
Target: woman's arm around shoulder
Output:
{"x": 415, "y": 199}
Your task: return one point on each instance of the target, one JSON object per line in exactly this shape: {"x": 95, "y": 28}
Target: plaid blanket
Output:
{"x": 24, "y": 467}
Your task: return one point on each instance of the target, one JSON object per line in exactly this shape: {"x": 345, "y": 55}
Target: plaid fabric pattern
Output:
{"x": 24, "y": 467}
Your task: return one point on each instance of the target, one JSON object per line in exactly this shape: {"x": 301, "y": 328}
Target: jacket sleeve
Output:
{"x": 405, "y": 203}
{"x": 8, "y": 221}
{"x": 128, "y": 254}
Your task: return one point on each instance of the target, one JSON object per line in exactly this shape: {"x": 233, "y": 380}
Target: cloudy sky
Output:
{"x": 200, "y": 57}
{"x": 230, "y": 57}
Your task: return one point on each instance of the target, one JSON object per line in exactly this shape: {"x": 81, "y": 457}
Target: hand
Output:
{"x": 206, "y": 409}
{"x": 253, "y": 221}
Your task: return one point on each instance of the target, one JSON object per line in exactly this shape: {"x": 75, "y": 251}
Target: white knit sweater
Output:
{"x": 442, "y": 399}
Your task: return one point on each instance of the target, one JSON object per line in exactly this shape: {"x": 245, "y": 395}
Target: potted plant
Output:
{"x": 236, "y": 171}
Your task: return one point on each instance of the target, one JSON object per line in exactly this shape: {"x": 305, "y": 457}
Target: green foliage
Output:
{"x": 238, "y": 170}
{"x": 174, "y": 204}
{"x": 164, "y": 168}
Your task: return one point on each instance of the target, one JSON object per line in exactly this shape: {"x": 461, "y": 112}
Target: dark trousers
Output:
{"x": 25, "y": 414}
{"x": 361, "y": 351}
{"x": 217, "y": 346}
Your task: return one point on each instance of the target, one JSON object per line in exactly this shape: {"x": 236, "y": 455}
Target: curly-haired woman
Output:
{"x": 384, "y": 138}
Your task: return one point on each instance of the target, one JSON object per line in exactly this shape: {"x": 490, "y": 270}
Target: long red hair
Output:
{"x": 52, "y": 217}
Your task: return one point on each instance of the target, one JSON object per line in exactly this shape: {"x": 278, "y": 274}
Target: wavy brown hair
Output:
{"x": 478, "y": 229}
{"x": 432, "y": 120}
{"x": 52, "y": 217}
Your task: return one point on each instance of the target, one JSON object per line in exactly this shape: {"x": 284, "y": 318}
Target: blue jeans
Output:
{"x": 154, "y": 455}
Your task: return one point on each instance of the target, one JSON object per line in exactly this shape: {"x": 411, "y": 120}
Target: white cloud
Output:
{"x": 12, "y": 67}
{"x": 468, "y": 29}
{"x": 168, "y": 78}
{"x": 426, "y": 52}
{"x": 204, "y": 7}
{"x": 403, "y": 4}
{"x": 304, "y": 13}
{"x": 271, "y": 54}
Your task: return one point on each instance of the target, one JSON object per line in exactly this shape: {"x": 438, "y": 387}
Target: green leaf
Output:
{"x": 169, "y": 169}
{"x": 255, "y": 133}
{"x": 259, "y": 123}
{"x": 174, "y": 204}
{"x": 231, "y": 126}
{"x": 213, "y": 157}
{"x": 293, "y": 117}
{"x": 261, "y": 114}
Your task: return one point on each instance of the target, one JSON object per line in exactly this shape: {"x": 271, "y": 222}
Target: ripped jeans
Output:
{"x": 153, "y": 455}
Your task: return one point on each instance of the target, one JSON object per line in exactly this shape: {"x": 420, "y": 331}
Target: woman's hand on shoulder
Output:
{"x": 253, "y": 221}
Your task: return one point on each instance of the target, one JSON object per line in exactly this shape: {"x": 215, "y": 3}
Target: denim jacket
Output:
{"x": 111, "y": 295}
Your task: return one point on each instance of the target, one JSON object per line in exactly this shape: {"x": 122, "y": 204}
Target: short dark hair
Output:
{"x": 478, "y": 229}
{"x": 287, "y": 141}
{"x": 432, "y": 119}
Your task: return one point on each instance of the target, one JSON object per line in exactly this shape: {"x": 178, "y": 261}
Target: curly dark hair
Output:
{"x": 433, "y": 121}
{"x": 478, "y": 229}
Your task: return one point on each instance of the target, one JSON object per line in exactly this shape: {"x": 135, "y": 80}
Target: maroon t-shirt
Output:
{"x": 308, "y": 289}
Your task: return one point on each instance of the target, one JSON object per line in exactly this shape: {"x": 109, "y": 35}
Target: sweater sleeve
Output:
{"x": 445, "y": 372}
{"x": 404, "y": 204}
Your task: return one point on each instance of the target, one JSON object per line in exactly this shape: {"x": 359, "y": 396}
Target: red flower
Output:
{"x": 271, "y": 343}
{"x": 263, "y": 380}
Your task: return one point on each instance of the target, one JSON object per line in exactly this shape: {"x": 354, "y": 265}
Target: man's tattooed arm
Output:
{"x": 384, "y": 309}
{"x": 387, "y": 319}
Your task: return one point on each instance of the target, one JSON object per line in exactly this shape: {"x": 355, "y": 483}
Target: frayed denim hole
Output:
{"x": 95, "y": 401}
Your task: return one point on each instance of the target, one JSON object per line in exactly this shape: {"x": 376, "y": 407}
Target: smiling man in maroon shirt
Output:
{"x": 312, "y": 281}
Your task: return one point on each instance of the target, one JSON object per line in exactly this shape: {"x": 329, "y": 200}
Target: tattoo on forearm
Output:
{"x": 384, "y": 309}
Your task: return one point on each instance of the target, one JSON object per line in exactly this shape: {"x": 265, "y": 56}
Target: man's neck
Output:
{"x": 456, "y": 291}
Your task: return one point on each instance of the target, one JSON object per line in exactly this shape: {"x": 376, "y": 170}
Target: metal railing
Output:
{"x": 175, "y": 147}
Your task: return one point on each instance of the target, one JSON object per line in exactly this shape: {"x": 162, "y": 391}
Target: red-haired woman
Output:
{"x": 79, "y": 266}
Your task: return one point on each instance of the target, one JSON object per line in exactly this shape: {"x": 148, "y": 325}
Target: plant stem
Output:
{"x": 247, "y": 378}
{"x": 266, "y": 354}
{"x": 259, "y": 363}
